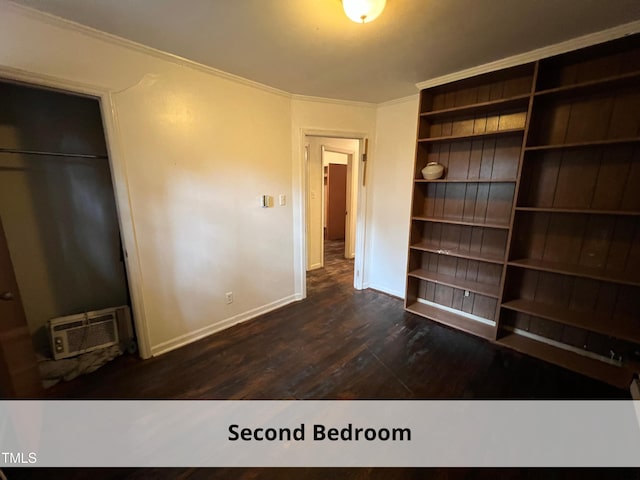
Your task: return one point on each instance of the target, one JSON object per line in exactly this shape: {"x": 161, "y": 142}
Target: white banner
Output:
{"x": 319, "y": 433}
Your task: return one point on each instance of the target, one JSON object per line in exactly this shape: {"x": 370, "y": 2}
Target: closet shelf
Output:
{"x": 455, "y": 282}
{"x": 578, "y": 271}
{"x": 52, "y": 154}
{"x": 624, "y": 328}
{"x": 457, "y": 252}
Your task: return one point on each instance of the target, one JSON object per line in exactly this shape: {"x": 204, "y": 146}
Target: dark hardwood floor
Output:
{"x": 339, "y": 343}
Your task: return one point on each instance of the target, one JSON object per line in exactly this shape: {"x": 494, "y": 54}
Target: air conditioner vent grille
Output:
{"x": 91, "y": 336}
{"x": 84, "y": 332}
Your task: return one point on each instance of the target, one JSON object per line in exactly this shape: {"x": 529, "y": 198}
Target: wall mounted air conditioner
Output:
{"x": 75, "y": 334}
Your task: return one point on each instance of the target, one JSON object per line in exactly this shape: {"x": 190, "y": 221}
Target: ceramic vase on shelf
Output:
{"x": 432, "y": 171}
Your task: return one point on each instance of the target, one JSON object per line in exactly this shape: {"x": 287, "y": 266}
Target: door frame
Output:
{"x": 119, "y": 178}
{"x": 300, "y": 223}
{"x": 348, "y": 237}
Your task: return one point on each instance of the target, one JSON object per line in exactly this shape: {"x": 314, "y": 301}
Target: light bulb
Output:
{"x": 363, "y": 11}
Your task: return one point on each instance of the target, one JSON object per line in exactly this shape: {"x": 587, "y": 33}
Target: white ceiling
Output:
{"x": 309, "y": 47}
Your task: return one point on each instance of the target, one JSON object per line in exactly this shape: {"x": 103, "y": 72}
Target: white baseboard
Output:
{"x": 388, "y": 291}
{"x": 191, "y": 337}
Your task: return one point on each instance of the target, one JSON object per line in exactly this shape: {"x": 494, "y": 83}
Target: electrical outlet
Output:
{"x": 466, "y": 293}
{"x": 229, "y": 297}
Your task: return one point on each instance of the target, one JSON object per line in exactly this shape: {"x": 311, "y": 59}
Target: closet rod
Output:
{"x": 51, "y": 154}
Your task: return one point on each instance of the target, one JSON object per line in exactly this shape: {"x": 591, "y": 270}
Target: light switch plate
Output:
{"x": 282, "y": 199}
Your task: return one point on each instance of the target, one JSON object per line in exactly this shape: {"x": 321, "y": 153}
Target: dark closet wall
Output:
{"x": 59, "y": 212}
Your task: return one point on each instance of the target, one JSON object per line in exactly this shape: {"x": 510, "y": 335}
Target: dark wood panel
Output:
{"x": 597, "y": 179}
{"x": 471, "y": 202}
{"x": 602, "y": 242}
{"x": 483, "y": 88}
{"x": 606, "y": 116}
{"x": 603, "y": 307}
{"x": 595, "y": 63}
{"x": 460, "y": 240}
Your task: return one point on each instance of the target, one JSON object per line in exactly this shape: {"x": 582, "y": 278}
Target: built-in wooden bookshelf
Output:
{"x": 460, "y": 223}
{"x": 532, "y": 237}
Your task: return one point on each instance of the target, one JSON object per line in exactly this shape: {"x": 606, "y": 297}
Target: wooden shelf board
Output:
{"x": 461, "y": 283}
{"x": 481, "y": 107}
{"x": 456, "y": 252}
{"x": 467, "y": 180}
{"x": 630, "y": 79}
{"x": 605, "y": 372}
{"x": 470, "y": 136}
{"x": 578, "y": 210}
{"x": 451, "y": 319}
{"x": 460, "y": 222}
{"x": 578, "y": 271}
{"x": 615, "y": 326}
{"x": 594, "y": 143}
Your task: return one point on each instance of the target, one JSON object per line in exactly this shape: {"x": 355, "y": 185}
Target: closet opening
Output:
{"x": 63, "y": 263}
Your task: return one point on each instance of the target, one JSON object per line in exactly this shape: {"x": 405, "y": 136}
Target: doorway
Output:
{"x": 332, "y": 191}
{"x": 57, "y": 204}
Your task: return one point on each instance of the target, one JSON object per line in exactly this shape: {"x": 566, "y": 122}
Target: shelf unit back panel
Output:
{"x": 489, "y": 203}
{"x": 607, "y": 242}
{"x": 609, "y": 115}
{"x": 574, "y": 293}
{"x": 594, "y": 64}
{"x": 603, "y": 178}
{"x": 483, "y": 88}
{"x": 460, "y": 239}
{"x": 461, "y": 268}
{"x": 479, "y": 159}
{"x": 576, "y": 339}
{"x": 454, "y": 298}
{"x": 473, "y": 124}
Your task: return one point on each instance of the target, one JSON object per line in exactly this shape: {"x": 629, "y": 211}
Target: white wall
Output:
{"x": 195, "y": 151}
{"x": 389, "y": 207}
{"x": 339, "y": 119}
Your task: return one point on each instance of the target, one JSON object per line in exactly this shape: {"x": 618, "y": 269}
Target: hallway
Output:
{"x": 337, "y": 270}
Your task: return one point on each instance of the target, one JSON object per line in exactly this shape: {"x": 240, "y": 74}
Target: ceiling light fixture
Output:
{"x": 363, "y": 11}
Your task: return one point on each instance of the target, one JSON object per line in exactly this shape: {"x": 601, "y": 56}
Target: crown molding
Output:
{"x": 410, "y": 98}
{"x": 59, "y": 22}
{"x": 335, "y": 101}
{"x": 533, "y": 55}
